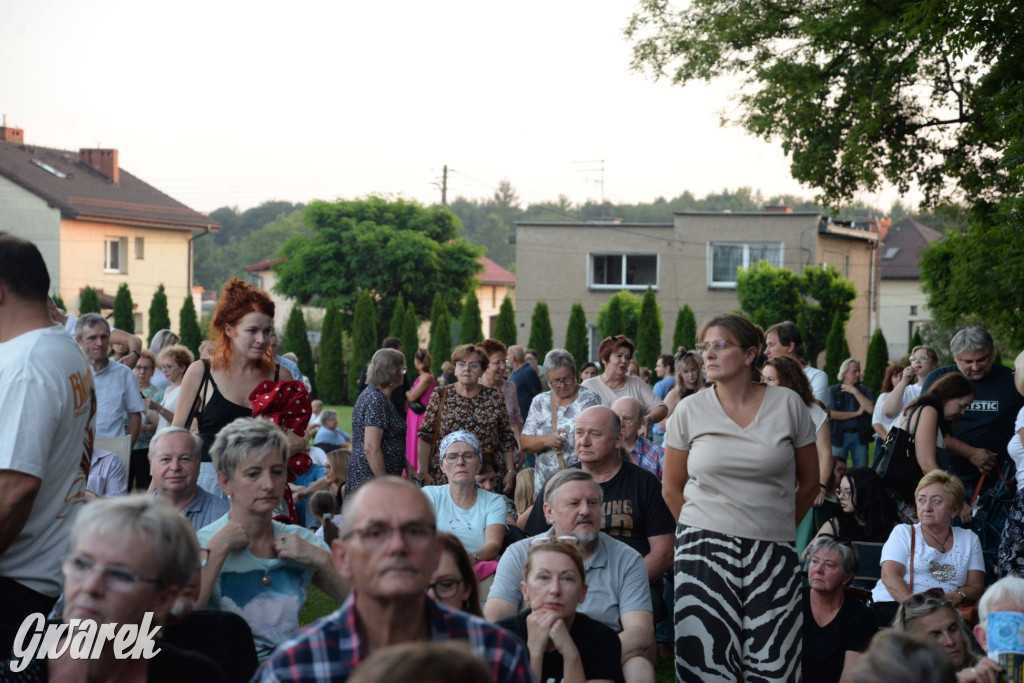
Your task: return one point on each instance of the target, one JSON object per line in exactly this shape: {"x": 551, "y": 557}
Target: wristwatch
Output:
{"x": 963, "y": 596}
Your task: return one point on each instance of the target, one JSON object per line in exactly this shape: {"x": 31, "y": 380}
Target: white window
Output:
{"x": 140, "y": 248}
{"x": 623, "y": 271}
{"x": 724, "y": 258}
{"x": 115, "y": 255}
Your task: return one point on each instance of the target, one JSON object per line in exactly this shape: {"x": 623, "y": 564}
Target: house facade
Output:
{"x": 690, "y": 261}
{"x": 98, "y": 225}
{"x": 903, "y": 305}
{"x": 495, "y": 284}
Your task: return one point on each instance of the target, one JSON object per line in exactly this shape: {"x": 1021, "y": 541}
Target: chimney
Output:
{"x": 12, "y": 134}
{"x": 102, "y": 160}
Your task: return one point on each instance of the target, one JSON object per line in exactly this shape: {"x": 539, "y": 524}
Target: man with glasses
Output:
{"x": 618, "y": 594}
{"x": 643, "y": 452}
{"x": 387, "y": 549}
{"x": 174, "y": 466}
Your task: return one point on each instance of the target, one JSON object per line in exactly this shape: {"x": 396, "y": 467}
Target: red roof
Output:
{"x": 264, "y": 265}
{"x": 493, "y": 274}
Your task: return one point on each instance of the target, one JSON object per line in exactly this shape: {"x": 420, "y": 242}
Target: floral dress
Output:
{"x": 372, "y": 409}
{"x": 538, "y": 423}
{"x": 485, "y": 415}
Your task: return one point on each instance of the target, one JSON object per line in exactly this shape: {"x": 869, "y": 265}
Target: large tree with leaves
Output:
{"x": 576, "y": 335}
{"x": 124, "y": 313}
{"x": 540, "y": 330}
{"x": 188, "y": 327}
{"x": 379, "y": 246}
{"x": 505, "y": 326}
{"x": 825, "y": 293}
{"x": 331, "y": 376}
{"x": 768, "y": 294}
{"x": 159, "y": 318}
{"x": 364, "y": 339}
{"x": 620, "y": 315}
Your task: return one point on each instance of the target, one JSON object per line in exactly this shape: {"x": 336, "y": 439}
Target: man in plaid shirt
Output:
{"x": 643, "y": 452}
{"x": 388, "y": 549}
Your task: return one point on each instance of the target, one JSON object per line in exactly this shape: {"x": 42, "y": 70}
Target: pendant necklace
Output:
{"x": 266, "y": 580}
{"x": 942, "y": 543}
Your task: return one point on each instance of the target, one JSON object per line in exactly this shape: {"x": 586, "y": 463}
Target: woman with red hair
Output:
{"x": 216, "y": 392}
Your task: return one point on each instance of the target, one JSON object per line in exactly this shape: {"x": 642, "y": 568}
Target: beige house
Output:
{"x": 98, "y": 225}
{"x": 495, "y": 284}
{"x": 902, "y": 305}
{"x": 692, "y": 260}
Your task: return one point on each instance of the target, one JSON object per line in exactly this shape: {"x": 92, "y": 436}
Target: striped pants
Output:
{"x": 737, "y": 608}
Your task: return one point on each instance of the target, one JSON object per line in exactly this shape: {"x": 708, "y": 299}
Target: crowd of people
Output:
{"x": 508, "y": 519}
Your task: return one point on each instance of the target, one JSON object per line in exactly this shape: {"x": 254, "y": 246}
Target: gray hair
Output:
{"x": 971, "y": 339}
{"x": 89, "y": 320}
{"x": 559, "y": 358}
{"x": 846, "y": 366}
{"x": 162, "y": 339}
{"x": 353, "y": 502}
{"x": 385, "y": 364}
{"x": 1007, "y": 591}
{"x": 900, "y": 657}
{"x": 849, "y": 554}
{"x": 243, "y": 436}
{"x": 151, "y": 520}
{"x": 518, "y": 353}
{"x": 563, "y": 477}
{"x": 327, "y": 414}
{"x": 197, "y": 443}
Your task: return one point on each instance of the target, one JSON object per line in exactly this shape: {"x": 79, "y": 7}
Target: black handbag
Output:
{"x": 417, "y": 407}
{"x": 896, "y": 459}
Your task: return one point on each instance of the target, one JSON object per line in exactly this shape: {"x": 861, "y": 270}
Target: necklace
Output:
{"x": 266, "y": 580}
{"x": 942, "y": 543}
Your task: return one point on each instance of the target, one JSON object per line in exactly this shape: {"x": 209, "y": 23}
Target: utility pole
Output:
{"x": 600, "y": 182}
{"x": 444, "y": 187}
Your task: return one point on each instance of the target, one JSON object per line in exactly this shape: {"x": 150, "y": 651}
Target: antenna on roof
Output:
{"x": 5, "y": 120}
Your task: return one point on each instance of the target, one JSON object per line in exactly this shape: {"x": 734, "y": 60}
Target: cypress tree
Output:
{"x": 614, "y": 320}
{"x": 685, "y": 334}
{"x": 540, "y": 330}
{"x": 331, "y": 378}
{"x": 159, "y": 318}
{"x": 124, "y": 314}
{"x": 834, "y": 355}
{"x": 296, "y": 340}
{"x": 576, "y": 341}
{"x": 874, "y": 364}
{"x": 648, "y": 335}
{"x": 58, "y": 300}
{"x": 505, "y": 326}
{"x": 441, "y": 341}
{"x": 397, "y": 324}
{"x": 90, "y": 302}
{"x": 471, "y": 328}
{"x": 916, "y": 340}
{"x": 436, "y": 313}
{"x": 364, "y": 339}
{"x": 188, "y": 325}
{"x": 410, "y": 336}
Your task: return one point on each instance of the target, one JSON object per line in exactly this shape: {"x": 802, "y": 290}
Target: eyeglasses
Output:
{"x": 567, "y": 381}
{"x": 936, "y": 595}
{"x": 719, "y": 345}
{"x": 844, "y": 493}
{"x": 468, "y": 456}
{"x": 166, "y": 367}
{"x": 462, "y": 365}
{"x": 923, "y": 359}
{"x": 115, "y": 578}
{"x": 445, "y": 588}
{"x": 416, "y": 535}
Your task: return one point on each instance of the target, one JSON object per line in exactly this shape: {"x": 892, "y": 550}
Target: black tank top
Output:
{"x": 218, "y": 411}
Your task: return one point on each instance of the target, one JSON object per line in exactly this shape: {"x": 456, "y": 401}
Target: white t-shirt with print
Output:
{"x": 932, "y": 569}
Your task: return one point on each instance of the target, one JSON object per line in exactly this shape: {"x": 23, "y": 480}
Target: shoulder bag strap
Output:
{"x": 437, "y": 420}
{"x": 916, "y": 412}
{"x": 200, "y": 401}
{"x": 277, "y": 372}
{"x": 554, "y": 430}
{"x": 913, "y": 537}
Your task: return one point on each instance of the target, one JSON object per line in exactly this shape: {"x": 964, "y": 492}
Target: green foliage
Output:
{"x": 576, "y": 341}
{"x": 825, "y": 293}
{"x": 874, "y": 364}
{"x": 296, "y": 340}
{"x": 648, "y": 335}
{"x": 491, "y": 222}
{"x": 159, "y": 318}
{"x": 620, "y": 315}
{"x": 397, "y": 325}
{"x": 364, "y": 339}
{"x": 768, "y": 294}
{"x": 90, "y": 301}
{"x": 385, "y": 247}
{"x": 440, "y": 340}
{"x": 124, "y": 314}
{"x": 188, "y": 327}
{"x": 540, "y": 330}
{"x": 410, "y": 336}
{"x": 915, "y": 340}
{"x": 59, "y": 301}
{"x": 331, "y": 378}
{"x": 834, "y": 353}
{"x": 471, "y": 328}
{"x": 685, "y": 334}
{"x": 505, "y": 326}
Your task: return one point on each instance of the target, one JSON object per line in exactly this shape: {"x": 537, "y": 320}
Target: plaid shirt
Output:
{"x": 648, "y": 455}
{"x": 329, "y": 649}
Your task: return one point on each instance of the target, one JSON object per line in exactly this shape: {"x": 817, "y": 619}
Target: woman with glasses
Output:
{"x": 921, "y": 362}
{"x": 867, "y": 511}
{"x": 496, "y": 377}
{"x": 475, "y": 516}
{"x": 260, "y": 568}
{"x": 454, "y": 581}
{"x": 470, "y": 406}
{"x": 836, "y": 629}
{"x": 732, "y": 455}
{"x": 378, "y": 431}
{"x": 138, "y": 468}
{"x": 173, "y": 361}
{"x": 552, "y": 419}
{"x": 615, "y": 354}
{"x": 563, "y": 645}
{"x": 932, "y": 553}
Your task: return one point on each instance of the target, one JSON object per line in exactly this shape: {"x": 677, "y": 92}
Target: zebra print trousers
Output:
{"x": 737, "y": 608}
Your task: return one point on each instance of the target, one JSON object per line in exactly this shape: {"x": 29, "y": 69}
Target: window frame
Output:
{"x": 624, "y": 269}
{"x": 121, "y": 265}
{"x": 731, "y": 284}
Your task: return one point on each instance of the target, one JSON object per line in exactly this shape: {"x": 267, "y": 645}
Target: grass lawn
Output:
{"x": 344, "y": 417}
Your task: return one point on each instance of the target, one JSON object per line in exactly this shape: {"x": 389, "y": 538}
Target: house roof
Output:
{"x": 902, "y": 247}
{"x": 493, "y": 274}
{"x": 82, "y": 193}
{"x": 264, "y": 265}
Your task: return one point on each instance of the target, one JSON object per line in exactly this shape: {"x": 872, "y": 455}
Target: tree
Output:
{"x": 410, "y": 336}
{"x": 505, "y": 327}
{"x": 471, "y": 328}
{"x": 124, "y": 309}
{"x": 331, "y": 377}
{"x": 834, "y": 355}
{"x": 188, "y": 327}
{"x": 296, "y": 340}
{"x": 159, "y": 318}
{"x": 768, "y": 294}
{"x": 915, "y": 340}
{"x": 685, "y": 334}
{"x": 540, "y": 330}
{"x": 825, "y": 293}
{"x": 576, "y": 341}
{"x": 364, "y": 340}
{"x": 876, "y": 362}
{"x": 397, "y": 325}
{"x": 58, "y": 301}
{"x": 380, "y": 246}
{"x": 441, "y": 340}
{"x": 89, "y": 301}
{"x": 648, "y": 335}
{"x": 611, "y": 322}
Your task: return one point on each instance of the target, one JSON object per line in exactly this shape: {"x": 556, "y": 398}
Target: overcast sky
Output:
{"x": 234, "y": 103}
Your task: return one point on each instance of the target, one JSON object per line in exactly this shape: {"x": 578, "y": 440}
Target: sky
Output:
{"x": 224, "y": 103}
